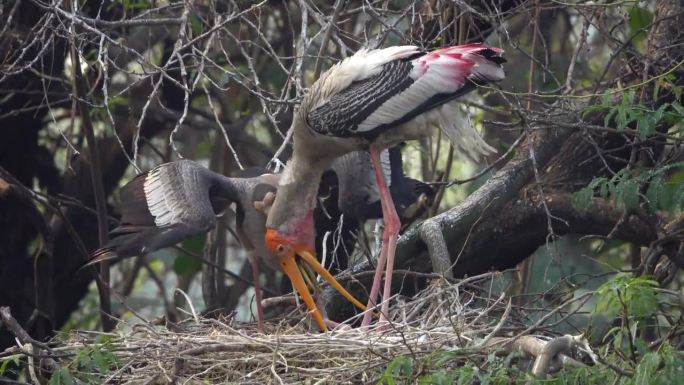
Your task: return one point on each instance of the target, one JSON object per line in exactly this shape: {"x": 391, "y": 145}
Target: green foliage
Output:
{"x": 645, "y": 119}
{"x": 448, "y": 368}
{"x": 662, "y": 367}
{"x": 61, "y": 377}
{"x": 6, "y": 368}
{"x": 132, "y": 5}
{"x": 639, "y": 17}
{"x": 90, "y": 364}
{"x": 117, "y": 101}
{"x": 195, "y": 25}
{"x": 185, "y": 264}
{"x": 635, "y": 300}
{"x": 399, "y": 369}
{"x": 664, "y": 188}
{"x": 627, "y": 295}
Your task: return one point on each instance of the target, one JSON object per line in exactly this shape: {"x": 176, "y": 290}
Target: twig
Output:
{"x": 12, "y": 325}
{"x": 487, "y": 169}
{"x": 326, "y": 38}
{"x": 96, "y": 179}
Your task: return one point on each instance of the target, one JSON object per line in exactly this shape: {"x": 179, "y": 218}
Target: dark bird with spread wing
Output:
{"x": 178, "y": 200}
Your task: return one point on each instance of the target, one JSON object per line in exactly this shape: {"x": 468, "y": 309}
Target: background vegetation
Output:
{"x": 585, "y": 195}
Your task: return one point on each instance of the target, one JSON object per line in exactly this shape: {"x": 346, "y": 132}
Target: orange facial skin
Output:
{"x": 286, "y": 252}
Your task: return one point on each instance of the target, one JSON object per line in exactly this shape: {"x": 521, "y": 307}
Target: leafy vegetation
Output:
{"x": 632, "y": 300}
{"x": 90, "y": 365}
{"x": 663, "y": 367}
{"x": 663, "y": 184}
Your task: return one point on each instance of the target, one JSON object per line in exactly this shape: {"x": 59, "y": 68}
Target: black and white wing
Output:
{"x": 161, "y": 207}
{"x": 345, "y": 112}
{"x": 396, "y": 85}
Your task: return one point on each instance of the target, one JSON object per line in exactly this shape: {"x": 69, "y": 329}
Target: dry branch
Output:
{"x": 98, "y": 189}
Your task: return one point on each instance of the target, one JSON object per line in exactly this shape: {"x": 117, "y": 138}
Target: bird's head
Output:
{"x": 290, "y": 231}
{"x": 298, "y": 261}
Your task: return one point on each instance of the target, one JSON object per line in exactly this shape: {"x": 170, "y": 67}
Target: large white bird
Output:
{"x": 371, "y": 101}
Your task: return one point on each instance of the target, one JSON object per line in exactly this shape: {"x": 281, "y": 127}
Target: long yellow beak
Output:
{"x": 288, "y": 262}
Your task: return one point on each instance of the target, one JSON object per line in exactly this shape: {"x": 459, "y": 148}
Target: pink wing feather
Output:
{"x": 443, "y": 71}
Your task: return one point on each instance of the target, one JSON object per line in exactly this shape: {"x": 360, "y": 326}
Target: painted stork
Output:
{"x": 371, "y": 101}
{"x": 359, "y": 196}
{"x": 349, "y": 188}
{"x": 180, "y": 199}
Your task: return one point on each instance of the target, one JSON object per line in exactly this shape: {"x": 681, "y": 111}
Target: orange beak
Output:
{"x": 287, "y": 254}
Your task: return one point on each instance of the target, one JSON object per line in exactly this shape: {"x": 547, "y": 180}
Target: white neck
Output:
{"x": 297, "y": 191}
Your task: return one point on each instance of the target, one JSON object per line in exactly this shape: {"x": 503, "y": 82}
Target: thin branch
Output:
{"x": 108, "y": 323}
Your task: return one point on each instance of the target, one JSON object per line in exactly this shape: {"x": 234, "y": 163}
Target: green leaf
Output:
{"x": 441, "y": 377}
{"x": 117, "y": 101}
{"x": 656, "y": 89}
{"x": 466, "y": 375}
{"x": 641, "y": 298}
{"x": 608, "y": 117}
{"x": 401, "y": 367}
{"x": 680, "y": 112}
{"x": 678, "y": 194}
{"x": 582, "y": 198}
{"x": 101, "y": 362}
{"x": 13, "y": 359}
{"x": 61, "y": 377}
{"x": 630, "y": 194}
{"x": 635, "y": 295}
{"x": 195, "y": 25}
{"x": 654, "y": 189}
{"x": 647, "y": 126}
{"x": 646, "y": 369}
{"x": 185, "y": 264}
{"x": 658, "y": 114}
{"x": 639, "y": 18}
{"x": 621, "y": 118}
{"x": 132, "y": 5}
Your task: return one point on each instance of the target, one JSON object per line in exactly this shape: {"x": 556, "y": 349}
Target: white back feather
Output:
{"x": 363, "y": 64}
{"x": 456, "y": 125}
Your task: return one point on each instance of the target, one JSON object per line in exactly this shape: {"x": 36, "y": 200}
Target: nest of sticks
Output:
{"x": 459, "y": 318}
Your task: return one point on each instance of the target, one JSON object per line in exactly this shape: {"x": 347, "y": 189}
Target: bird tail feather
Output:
{"x": 461, "y": 133}
{"x": 100, "y": 255}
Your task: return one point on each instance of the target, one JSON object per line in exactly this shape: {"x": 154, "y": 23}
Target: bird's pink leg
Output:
{"x": 375, "y": 288}
{"x": 389, "y": 241}
{"x": 254, "y": 260}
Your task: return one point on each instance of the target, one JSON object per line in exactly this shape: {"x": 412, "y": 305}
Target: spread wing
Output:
{"x": 166, "y": 205}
